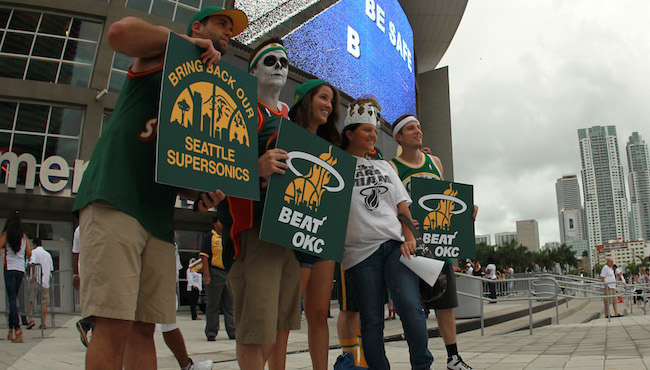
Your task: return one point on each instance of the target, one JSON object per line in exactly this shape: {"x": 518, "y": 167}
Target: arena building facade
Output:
{"x": 59, "y": 82}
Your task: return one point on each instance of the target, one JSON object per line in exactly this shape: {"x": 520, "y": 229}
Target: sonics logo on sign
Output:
{"x": 439, "y": 219}
{"x": 307, "y": 190}
{"x": 209, "y": 109}
{"x": 208, "y": 124}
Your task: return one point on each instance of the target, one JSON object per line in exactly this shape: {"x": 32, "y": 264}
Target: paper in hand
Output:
{"x": 428, "y": 269}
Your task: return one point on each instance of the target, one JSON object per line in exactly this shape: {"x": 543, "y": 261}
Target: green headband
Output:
{"x": 264, "y": 50}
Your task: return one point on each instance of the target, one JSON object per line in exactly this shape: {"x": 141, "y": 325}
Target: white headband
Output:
{"x": 270, "y": 47}
{"x": 399, "y": 125}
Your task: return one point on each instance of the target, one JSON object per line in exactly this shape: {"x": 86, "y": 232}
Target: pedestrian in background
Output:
{"x": 17, "y": 250}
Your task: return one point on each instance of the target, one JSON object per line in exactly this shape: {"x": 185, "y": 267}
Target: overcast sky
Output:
{"x": 524, "y": 77}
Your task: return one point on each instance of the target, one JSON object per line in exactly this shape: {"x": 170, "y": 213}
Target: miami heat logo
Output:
{"x": 371, "y": 194}
{"x": 448, "y": 205}
{"x": 308, "y": 189}
{"x": 205, "y": 107}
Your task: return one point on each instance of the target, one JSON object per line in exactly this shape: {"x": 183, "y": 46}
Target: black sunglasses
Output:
{"x": 271, "y": 60}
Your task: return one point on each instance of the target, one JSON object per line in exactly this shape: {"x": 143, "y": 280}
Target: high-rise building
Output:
{"x": 501, "y": 239}
{"x": 569, "y": 208}
{"x": 606, "y": 213}
{"x": 528, "y": 234}
{"x": 550, "y": 245}
{"x": 621, "y": 252}
{"x": 639, "y": 182}
{"x": 485, "y": 238}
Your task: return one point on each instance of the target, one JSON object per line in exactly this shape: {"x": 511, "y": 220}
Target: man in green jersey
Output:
{"x": 413, "y": 162}
{"x": 126, "y": 218}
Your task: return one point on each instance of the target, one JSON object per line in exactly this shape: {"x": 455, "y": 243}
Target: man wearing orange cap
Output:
{"x": 127, "y": 255}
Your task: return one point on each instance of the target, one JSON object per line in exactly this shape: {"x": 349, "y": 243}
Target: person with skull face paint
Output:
{"x": 264, "y": 278}
{"x": 374, "y": 241}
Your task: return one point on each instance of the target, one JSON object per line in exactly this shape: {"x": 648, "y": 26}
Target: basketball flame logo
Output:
{"x": 308, "y": 190}
{"x": 440, "y": 218}
{"x": 205, "y": 107}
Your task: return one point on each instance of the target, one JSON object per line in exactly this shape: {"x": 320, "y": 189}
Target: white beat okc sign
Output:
{"x": 54, "y": 173}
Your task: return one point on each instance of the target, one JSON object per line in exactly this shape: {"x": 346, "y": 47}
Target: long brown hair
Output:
{"x": 303, "y": 113}
{"x": 14, "y": 230}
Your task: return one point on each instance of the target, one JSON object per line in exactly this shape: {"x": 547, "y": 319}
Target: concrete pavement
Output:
{"x": 621, "y": 343}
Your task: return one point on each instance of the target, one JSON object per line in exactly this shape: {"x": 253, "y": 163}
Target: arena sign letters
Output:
{"x": 307, "y": 208}
{"x": 206, "y": 125}
{"x": 444, "y": 210}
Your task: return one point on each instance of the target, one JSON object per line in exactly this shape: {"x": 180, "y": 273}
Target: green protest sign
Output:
{"x": 307, "y": 208}
{"x": 206, "y": 124}
{"x": 444, "y": 210}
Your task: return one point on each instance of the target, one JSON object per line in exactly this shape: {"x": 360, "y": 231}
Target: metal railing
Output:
{"x": 546, "y": 287}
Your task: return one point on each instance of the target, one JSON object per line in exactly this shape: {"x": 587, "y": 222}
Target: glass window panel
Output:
{"x": 7, "y": 114}
{"x": 29, "y": 229}
{"x": 13, "y": 67}
{"x": 54, "y": 24}
{"x": 80, "y": 51}
{"x": 194, "y": 3}
{"x": 24, "y": 20}
{"x": 85, "y": 30}
{"x": 65, "y": 121}
{"x": 117, "y": 80}
{"x": 184, "y": 15}
{"x": 17, "y": 43}
{"x": 4, "y": 17}
{"x": 212, "y": 3}
{"x": 45, "y": 231}
{"x": 5, "y": 139}
{"x": 32, "y": 117}
{"x": 32, "y": 144}
{"x": 66, "y": 148}
{"x": 48, "y": 47}
{"x": 163, "y": 9}
{"x": 74, "y": 75}
{"x": 40, "y": 70}
{"x": 105, "y": 120}
{"x": 141, "y": 5}
{"x": 121, "y": 61}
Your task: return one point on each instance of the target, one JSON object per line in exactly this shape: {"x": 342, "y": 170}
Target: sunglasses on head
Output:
{"x": 271, "y": 60}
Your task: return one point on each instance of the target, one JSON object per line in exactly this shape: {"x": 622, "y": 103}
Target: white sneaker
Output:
{"x": 203, "y": 365}
{"x": 456, "y": 363}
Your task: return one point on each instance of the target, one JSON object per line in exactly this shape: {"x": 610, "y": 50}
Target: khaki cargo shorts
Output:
{"x": 126, "y": 273}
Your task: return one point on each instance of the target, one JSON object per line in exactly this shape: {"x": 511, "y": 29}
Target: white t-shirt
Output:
{"x": 373, "y": 210}
{"x": 76, "y": 246}
{"x": 194, "y": 279}
{"x": 16, "y": 261}
{"x": 470, "y": 270}
{"x": 608, "y": 273}
{"x": 44, "y": 258}
{"x": 493, "y": 271}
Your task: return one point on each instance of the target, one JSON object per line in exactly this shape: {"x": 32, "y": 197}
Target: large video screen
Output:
{"x": 363, "y": 47}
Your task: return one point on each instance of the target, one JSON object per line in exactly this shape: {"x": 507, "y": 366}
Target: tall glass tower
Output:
{"x": 639, "y": 183}
{"x": 606, "y": 212}
{"x": 569, "y": 208}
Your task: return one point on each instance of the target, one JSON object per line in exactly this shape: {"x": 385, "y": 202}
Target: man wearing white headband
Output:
{"x": 413, "y": 162}
{"x": 264, "y": 278}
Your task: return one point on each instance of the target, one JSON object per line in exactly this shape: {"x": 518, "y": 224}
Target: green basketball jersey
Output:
{"x": 426, "y": 168}
{"x": 122, "y": 167}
